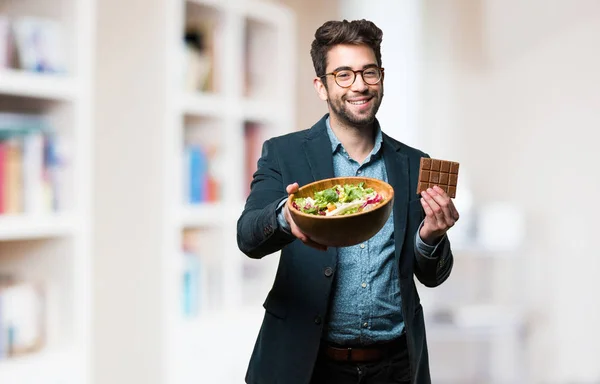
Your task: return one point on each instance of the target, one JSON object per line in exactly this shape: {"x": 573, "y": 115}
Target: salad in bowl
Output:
{"x": 341, "y": 199}
{"x": 341, "y": 211}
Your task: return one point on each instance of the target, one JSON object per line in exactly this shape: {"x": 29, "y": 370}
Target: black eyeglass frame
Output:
{"x": 334, "y": 73}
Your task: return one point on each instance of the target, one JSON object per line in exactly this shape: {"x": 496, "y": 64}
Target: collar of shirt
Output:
{"x": 336, "y": 144}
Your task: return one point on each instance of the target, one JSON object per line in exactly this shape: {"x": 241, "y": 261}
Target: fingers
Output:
{"x": 444, "y": 201}
{"x": 292, "y": 188}
{"x": 308, "y": 241}
{"x": 297, "y": 232}
{"x": 428, "y": 211}
{"x": 437, "y": 213}
{"x": 305, "y": 239}
{"x": 453, "y": 211}
{"x": 440, "y": 206}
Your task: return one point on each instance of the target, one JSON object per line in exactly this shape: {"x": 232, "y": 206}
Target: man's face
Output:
{"x": 357, "y": 104}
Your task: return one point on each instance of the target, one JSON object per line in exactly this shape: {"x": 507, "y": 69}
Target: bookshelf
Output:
{"x": 174, "y": 96}
{"x": 45, "y": 119}
{"x": 250, "y": 48}
{"x": 36, "y": 85}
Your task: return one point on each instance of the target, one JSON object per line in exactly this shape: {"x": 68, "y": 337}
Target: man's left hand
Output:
{"x": 440, "y": 214}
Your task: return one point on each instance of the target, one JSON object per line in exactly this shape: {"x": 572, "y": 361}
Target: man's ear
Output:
{"x": 320, "y": 88}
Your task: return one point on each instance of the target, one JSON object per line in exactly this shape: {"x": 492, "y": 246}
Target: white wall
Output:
{"x": 512, "y": 89}
{"x": 400, "y": 22}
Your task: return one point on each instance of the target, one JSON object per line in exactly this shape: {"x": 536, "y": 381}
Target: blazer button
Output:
{"x": 328, "y": 271}
{"x": 317, "y": 319}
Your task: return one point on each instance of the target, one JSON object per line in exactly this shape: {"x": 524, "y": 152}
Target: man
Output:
{"x": 351, "y": 314}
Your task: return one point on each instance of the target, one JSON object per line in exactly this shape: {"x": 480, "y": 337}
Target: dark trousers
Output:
{"x": 393, "y": 369}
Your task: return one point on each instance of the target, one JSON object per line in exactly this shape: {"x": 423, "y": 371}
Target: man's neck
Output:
{"x": 357, "y": 140}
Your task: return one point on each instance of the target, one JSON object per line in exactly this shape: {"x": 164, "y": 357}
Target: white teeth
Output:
{"x": 358, "y": 102}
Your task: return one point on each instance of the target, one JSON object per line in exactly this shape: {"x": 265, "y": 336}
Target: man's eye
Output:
{"x": 343, "y": 75}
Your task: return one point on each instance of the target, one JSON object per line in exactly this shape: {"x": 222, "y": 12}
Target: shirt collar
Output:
{"x": 336, "y": 145}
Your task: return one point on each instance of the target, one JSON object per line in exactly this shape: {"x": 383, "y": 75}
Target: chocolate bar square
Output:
{"x": 442, "y": 173}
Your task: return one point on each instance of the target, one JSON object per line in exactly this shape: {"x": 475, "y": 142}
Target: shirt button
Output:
{"x": 364, "y": 285}
{"x": 317, "y": 319}
{"x": 362, "y": 246}
{"x": 365, "y": 325}
{"x": 328, "y": 271}
{"x": 359, "y": 171}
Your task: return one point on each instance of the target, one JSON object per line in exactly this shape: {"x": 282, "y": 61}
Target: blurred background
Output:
{"x": 129, "y": 131}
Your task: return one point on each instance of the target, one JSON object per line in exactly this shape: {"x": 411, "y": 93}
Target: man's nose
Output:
{"x": 359, "y": 84}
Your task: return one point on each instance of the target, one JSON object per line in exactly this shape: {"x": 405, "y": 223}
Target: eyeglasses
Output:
{"x": 346, "y": 77}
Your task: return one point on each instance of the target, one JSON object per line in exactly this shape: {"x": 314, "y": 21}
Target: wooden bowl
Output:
{"x": 344, "y": 230}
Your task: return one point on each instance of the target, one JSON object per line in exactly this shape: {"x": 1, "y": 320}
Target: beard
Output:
{"x": 341, "y": 109}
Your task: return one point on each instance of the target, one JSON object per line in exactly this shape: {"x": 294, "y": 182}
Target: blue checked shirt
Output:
{"x": 366, "y": 303}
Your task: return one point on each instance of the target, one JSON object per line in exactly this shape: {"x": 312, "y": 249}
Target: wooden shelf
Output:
{"x": 20, "y": 227}
{"x": 37, "y": 85}
{"x": 201, "y": 104}
{"x": 212, "y": 105}
{"x": 262, "y": 111}
{"x": 209, "y": 215}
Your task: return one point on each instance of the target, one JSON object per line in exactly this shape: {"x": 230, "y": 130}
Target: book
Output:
{"x": 32, "y": 165}
{"x": 22, "y": 318}
{"x": 39, "y": 44}
{"x": 6, "y": 44}
{"x": 197, "y": 172}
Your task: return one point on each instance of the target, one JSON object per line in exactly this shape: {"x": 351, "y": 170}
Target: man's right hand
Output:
{"x": 293, "y": 188}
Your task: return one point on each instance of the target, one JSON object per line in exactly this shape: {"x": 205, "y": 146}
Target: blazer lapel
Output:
{"x": 396, "y": 165}
{"x": 317, "y": 147}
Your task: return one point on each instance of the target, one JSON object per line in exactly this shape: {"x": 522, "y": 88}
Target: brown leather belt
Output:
{"x": 361, "y": 354}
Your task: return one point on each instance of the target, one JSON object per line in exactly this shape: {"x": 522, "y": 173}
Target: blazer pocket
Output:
{"x": 275, "y": 306}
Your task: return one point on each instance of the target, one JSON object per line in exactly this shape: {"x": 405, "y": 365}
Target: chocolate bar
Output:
{"x": 438, "y": 172}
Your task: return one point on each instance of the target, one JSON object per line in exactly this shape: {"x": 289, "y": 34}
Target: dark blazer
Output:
{"x": 296, "y": 307}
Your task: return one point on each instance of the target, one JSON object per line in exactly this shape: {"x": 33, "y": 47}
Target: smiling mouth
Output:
{"x": 358, "y": 102}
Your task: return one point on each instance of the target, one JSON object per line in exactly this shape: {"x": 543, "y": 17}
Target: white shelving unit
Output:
{"x": 146, "y": 114}
{"x": 254, "y": 67}
{"x": 53, "y": 249}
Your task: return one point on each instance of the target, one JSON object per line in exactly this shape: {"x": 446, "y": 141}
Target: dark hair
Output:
{"x": 332, "y": 33}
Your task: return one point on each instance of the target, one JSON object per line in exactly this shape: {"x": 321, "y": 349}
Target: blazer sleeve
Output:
{"x": 433, "y": 270}
{"x": 258, "y": 232}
